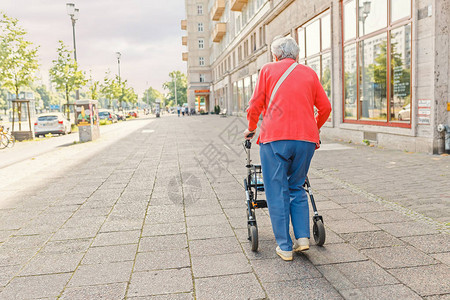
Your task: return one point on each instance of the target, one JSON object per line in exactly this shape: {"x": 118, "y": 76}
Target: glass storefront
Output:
{"x": 314, "y": 39}
{"x": 377, "y": 61}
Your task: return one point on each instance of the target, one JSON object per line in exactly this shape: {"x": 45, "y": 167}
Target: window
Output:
{"x": 202, "y": 77}
{"x": 245, "y": 48}
{"x": 377, "y": 62}
{"x": 201, "y": 44}
{"x": 201, "y": 61}
{"x": 200, "y": 27}
{"x": 314, "y": 40}
{"x": 199, "y": 9}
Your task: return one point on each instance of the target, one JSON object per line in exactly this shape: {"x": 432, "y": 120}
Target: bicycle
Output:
{"x": 6, "y": 138}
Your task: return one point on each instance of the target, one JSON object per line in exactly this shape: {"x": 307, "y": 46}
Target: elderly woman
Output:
{"x": 286, "y": 93}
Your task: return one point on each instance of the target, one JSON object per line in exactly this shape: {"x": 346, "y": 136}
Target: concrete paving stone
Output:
{"x": 266, "y": 249}
{"x": 384, "y": 292}
{"x": 398, "y": 257}
{"x": 371, "y": 239}
{"x": 199, "y": 210}
{"x": 223, "y": 264}
{"x": 52, "y": 263}
{"x": 365, "y": 207}
{"x": 179, "y": 296}
{"x": 35, "y": 286}
{"x": 239, "y": 286}
{"x": 6, "y": 234}
{"x": 264, "y": 234}
{"x": 407, "y": 229}
{"x": 163, "y": 229}
{"x": 313, "y": 288}
{"x": 349, "y": 226}
{"x": 206, "y": 220}
{"x": 16, "y": 256}
{"x": 116, "y": 238}
{"x": 160, "y": 282}
{"x": 275, "y": 269}
{"x": 7, "y": 273}
{"x": 233, "y": 204}
{"x": 442, "y": 257}
{"x": 101, "y": 274}
{"x": 163, "y": 243}
{"x": 72, "y": 233}
{"x": 331, "y": 237}
{"x": 348, "y": 199}
{"x": 208, "y": 232}
{"x": 336, "y": 214}
{"x": 425, "y": 280}
{"x": 165, "y": 214}
{"x": 385, "y": 217}
{"x": 235, "y": 212}
{"x": 107, "y": 254}
{"x": 77, "y": 221}
{"x": 58, "y": 208}
{"x": 112, "y": 185}
{"x": 327, "y": 205}
{"x": 356, "y": 275}
{"x": 93, "y": 212}
{"x": 214, "y": 246}
{"x": 114, "y": 223}
{"x": 160, "y": 201}
{"x": 158, "y": 260}
{"x": 335, "y": 192}
{"x": 66, "y": 246}
{"x": 430, "y": 243}
{"x": 26, "y": 241}
{"x": 333, "y": 253}
{"x": 113, "y": 291}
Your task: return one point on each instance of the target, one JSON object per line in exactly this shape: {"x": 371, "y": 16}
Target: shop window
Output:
{"x": 240, "y": 86}
{"x": 377, "y": 62}
{"x": 247, "y": 91}
{"x": 314, "y": 40}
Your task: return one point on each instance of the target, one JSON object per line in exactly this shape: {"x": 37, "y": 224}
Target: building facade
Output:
{"x": 383, "y": 63}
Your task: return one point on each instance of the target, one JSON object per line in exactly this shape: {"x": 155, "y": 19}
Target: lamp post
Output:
{"x": 73, "y": 13}
{"x": 363, "y": 12}
{"x": 118, "y": 55}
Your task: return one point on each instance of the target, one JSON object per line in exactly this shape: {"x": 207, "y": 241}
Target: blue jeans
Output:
{"x": 285, "y": 165}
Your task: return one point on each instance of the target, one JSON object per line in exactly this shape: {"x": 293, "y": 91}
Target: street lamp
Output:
{"x": 363, "y": 12}
{"x": 118, "y": 55}
{"x": 73, "y": 13}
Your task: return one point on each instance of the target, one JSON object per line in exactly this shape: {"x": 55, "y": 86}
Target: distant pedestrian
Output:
{"x": 183, "y": 110}
{"x": 178, "y": 110}
{"x": 288, "y": 138}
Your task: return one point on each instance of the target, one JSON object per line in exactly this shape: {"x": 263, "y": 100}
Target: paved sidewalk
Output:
{"x": 160, "y": 214}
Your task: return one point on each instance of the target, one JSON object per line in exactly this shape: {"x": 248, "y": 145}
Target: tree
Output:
{"x": 65, "y": 73}
{"x": 3, "y": 100}
{"x": 110, "y": 88}
{"x": 129, "y": 96}
{"x": 181, "y": 84}
{"x": 94, "y": 86}
{"x": 18, "y": 57}
{"x": 151, "y": 94}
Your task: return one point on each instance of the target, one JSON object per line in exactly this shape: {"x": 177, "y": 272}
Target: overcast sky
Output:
{"x": 146, "y": 32}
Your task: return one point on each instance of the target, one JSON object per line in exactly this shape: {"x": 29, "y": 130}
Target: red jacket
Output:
{"x": 291, "y": 114}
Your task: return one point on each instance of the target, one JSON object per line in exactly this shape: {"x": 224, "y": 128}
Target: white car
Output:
{"x": 54, "y": 123}
{"x": 404, "y": 113}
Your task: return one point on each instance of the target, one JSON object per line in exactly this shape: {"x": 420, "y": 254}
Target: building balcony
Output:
{"x": 183, "y": 24}
{"x": 185, "y": 56}
{"x": 217, "y": 10}
{"x": 237, "y": 5}
{"x": 219, "y": 32}
{"x": 184, "y": 40}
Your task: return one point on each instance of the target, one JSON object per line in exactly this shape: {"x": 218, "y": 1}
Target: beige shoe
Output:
{"x": 285, "y": 255}
{"x": 301, "y": 244}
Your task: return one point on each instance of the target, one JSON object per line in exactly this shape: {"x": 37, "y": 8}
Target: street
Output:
{"x": 155, "y": 209}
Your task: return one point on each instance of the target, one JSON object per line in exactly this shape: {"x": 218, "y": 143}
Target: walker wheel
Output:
{"x": 253, "y": 230}
{"x": 319, "y": 232}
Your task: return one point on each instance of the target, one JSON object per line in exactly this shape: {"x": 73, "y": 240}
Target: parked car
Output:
{"x": 404, "y": 113}
{"x": 105, "y": 114}
{"x": 54, "y": 123}
{"x": 133, "y": 113}
{"x": 120, "y": 116}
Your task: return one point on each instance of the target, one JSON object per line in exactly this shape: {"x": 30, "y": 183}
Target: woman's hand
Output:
{"x": 248, "y": 135}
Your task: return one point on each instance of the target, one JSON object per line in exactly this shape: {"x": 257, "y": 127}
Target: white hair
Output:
{"x": 284, "y": 47}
